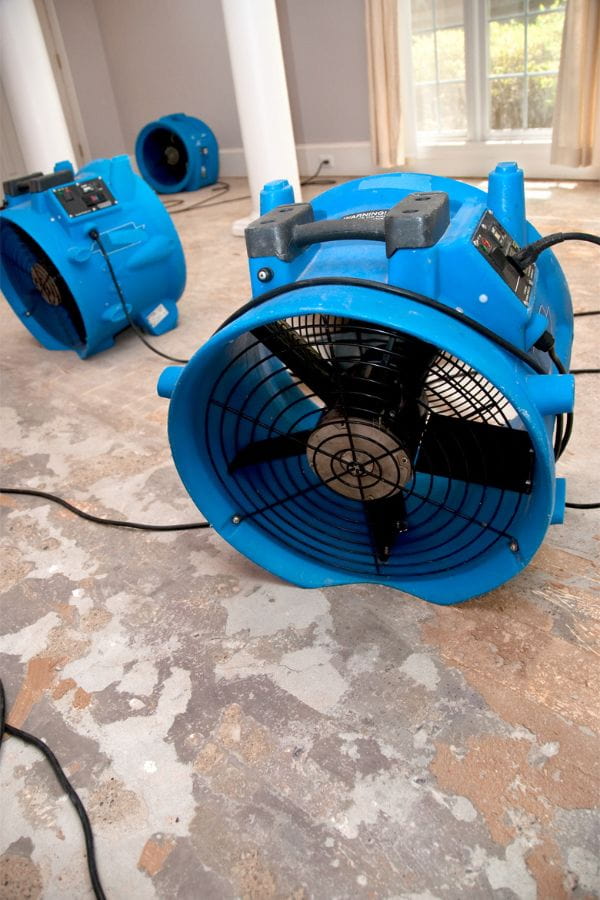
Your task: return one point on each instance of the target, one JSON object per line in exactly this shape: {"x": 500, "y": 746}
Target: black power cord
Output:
{"x": 95, "y": 236}
{"x": 223, "y": 187}
{"x": 583, "y": 505}
{"x": 7, "y": 729}
{"x": 117, "y": 523}
{"x": 528, "y": 255}
{"x": 546, "y": 343}
{"x": 524, "y": 258}
{"x": 344, "y": 280}
{"x": 173, "y": 205}
{"x": 561, "y": 441}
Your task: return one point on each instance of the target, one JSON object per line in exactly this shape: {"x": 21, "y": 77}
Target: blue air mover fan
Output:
{"x": 177, "y": 153}
{"x": 380, "y": 414}
{"x": 53, "y": 273}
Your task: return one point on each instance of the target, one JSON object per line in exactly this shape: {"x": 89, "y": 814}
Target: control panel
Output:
{"x": 496, "y": 244}
{"x": 84, "y": 197}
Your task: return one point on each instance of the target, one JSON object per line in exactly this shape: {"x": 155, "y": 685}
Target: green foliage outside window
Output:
{"x": 506, "y": 58}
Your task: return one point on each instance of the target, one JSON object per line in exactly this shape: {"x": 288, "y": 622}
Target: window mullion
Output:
{"x": 437, "y": 68}
{"x": 476, "y": 58}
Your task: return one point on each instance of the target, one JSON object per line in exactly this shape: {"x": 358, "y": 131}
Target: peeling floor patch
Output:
{"x": 234, "y": 736}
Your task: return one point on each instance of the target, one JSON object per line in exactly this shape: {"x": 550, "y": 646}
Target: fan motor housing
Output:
{"x": 336, "y": 432}
{"x": 53, "y": 273}
{"x": 177, "y": 153}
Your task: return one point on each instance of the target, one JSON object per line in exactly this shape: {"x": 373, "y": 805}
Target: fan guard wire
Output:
{"x": 452, "y": 522}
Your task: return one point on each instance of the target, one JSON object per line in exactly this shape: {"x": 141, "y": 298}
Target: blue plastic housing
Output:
{"x": 177, "y": 153}
{"x": 136, "y": 232}
{"x": 217, "y": 399}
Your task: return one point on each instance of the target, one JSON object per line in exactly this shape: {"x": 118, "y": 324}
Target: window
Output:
{"x": 438, "y": 53}
{"x": 485, "y": 69}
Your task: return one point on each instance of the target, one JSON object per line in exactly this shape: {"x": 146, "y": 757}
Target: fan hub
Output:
{"x": 45, "y": 284}
{"x": 358, "y": 458}
{"x": 172, "y": 155}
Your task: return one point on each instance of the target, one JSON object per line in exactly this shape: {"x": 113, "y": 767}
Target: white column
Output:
{"x": 262, "y": 97}
{"x": 31, "y": 89}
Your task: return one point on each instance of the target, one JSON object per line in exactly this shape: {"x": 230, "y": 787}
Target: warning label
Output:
{"x": 367, "y": 214}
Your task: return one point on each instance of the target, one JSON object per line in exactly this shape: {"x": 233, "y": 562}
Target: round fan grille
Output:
{"x": 166, "y": 157}
{"x": 40, "y": 287}
{"x": 366, "y": 450}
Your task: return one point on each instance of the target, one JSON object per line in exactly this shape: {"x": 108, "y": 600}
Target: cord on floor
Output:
{"x": 117, "y": 523}
{"x": 88, "y": 834}
{"x": 175, "y": 205}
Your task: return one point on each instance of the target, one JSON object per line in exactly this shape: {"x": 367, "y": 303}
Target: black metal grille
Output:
{"x": 40, "y": 287}
{"x": 455, "y": 414}
{"x": 166, "y": 156}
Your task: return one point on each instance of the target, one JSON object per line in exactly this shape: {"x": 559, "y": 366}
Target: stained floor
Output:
{"x": 233, "y": 736}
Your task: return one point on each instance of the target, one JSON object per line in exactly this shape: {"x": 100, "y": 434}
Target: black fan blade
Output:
{"x": 299, "y": 357}
{"x": 477, "y": 452}
{"x": 386, "y": 519}
{"x": 280, "y": 447}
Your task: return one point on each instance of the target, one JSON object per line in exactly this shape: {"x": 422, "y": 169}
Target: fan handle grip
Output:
{"x": 419, "y": 220}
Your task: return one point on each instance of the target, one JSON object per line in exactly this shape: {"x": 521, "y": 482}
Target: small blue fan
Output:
{"x": 177, "y": 153}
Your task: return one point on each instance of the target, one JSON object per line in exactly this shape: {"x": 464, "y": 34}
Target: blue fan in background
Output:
{"x": 177, "y": 153}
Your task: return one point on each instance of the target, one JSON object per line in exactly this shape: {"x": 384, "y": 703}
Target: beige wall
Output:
{"x": 135, "y": 60}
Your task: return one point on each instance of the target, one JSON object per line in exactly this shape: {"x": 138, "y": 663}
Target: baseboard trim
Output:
{"x": 451, "y": 160}
{"x": 351, "y": 158}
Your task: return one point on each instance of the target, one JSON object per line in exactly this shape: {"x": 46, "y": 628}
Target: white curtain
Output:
{"x": 576, "y": 125}
{"x": 387, "y": 137}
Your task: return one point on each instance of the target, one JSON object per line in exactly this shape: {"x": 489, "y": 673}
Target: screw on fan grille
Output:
{"x": 365, "y": 448}
{"x": 40, "y": 286}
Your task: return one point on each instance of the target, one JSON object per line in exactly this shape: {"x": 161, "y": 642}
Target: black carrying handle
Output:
{"x": 363, "y": 229}
{"x": 419, "y": 220}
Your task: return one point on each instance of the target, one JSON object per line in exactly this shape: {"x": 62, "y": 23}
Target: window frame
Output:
{"x": 476, "y": 20}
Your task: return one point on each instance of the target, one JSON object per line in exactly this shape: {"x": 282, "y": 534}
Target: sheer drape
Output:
{"x": 576, "y": 126}
{"x": 387, "y": 139}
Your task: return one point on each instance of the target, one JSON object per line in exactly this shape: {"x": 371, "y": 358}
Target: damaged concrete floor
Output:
{"x": 233, "y": 736}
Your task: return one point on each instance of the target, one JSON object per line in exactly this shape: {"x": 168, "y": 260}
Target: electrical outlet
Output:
{"x": 326, "y": 159}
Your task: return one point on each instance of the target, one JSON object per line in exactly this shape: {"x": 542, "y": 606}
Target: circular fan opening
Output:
{"x": 165, "y": 156}
{"x": 366, "y": 450}
{"x": 40, "y": 287}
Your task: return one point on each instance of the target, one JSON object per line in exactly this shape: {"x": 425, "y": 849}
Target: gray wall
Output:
{"x": 92, "y": 79}
{"x": 169, "y": 57}
{"x": 324, "y": 47}
{"x": 12, "y": 163}
{"x": 135, "y": 60}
